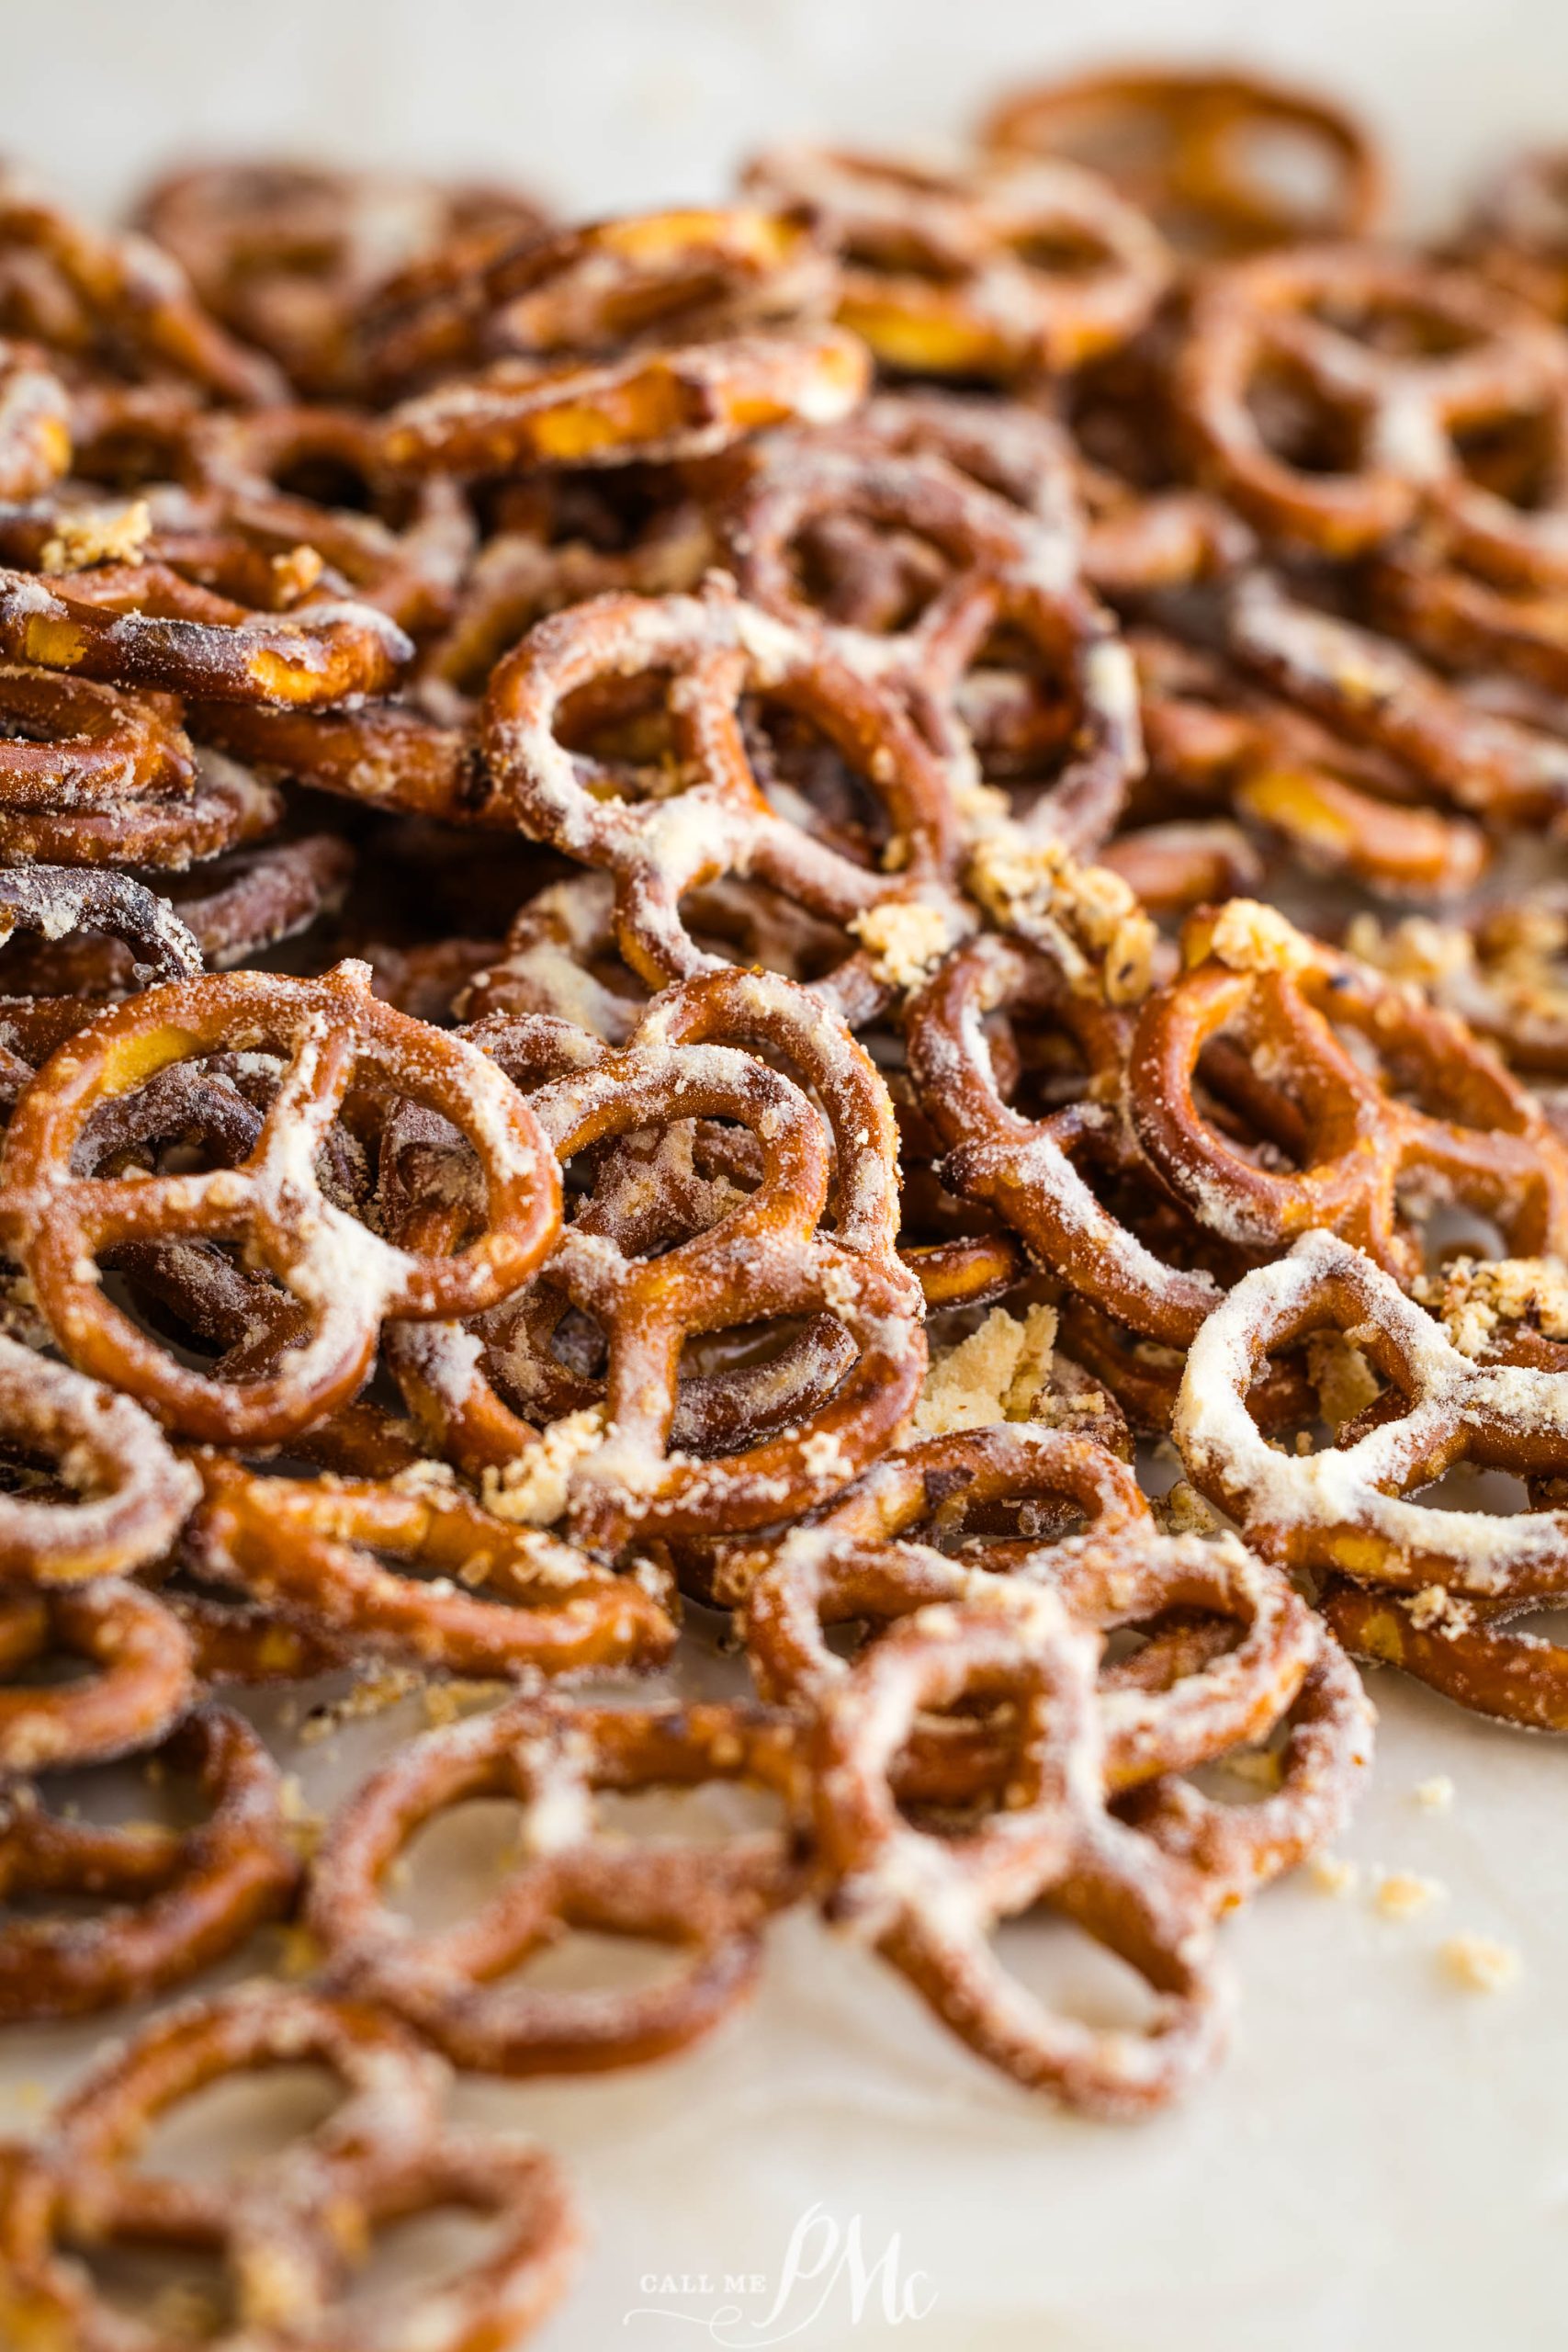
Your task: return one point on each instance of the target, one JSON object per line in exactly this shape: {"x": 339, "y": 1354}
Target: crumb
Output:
{"x": 448, "y": 1702}
{"x": 531, "y": 1490}
{"x": 305, "y": 1826}
{"x": 1435, "y": 1609}
{"x": 1248, "y": 936}
{"x": 1479, "y": 1963}
{"x": 1401, "y": 1894}
{"x": 1434, "y": 1795}
{"x": 1343, "y": 1379}
{"x": 1331, "y": 1875}
{"x": 1185, "y": 1512}
{"x": 996, "y": 1374}
{"x": 904, "y": 939}
{"x": 1259, "y": 1767}
{"x": 97, "y": 535}
{"x": 381, "y": 1688}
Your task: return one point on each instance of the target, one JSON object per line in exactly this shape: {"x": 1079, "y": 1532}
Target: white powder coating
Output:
{"x": 1345, "y": 1507}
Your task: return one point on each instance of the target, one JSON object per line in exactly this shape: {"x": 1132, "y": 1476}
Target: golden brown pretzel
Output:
{"x": 142, "y": 1685}
{"x": 330, "y": 1033}
{"x": 1191, "y": 147}
{"x": 710, "y": 1901}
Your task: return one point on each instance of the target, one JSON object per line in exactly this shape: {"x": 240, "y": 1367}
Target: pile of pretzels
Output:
{"x": 709, "y": 922}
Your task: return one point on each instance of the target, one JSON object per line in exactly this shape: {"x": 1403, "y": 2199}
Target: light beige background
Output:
{"x": 1383, "y": 2163}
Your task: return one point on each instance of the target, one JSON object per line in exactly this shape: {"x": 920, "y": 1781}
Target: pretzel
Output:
{"x": 291, "y": 256}
{"x": 85, "y": 744}
{"x": 383, "y": 755}
{"x": 764, "y": 1257}
{"x": 313, "y": 1551}
{"x": 703, "y": 654}
{"x": 1516, "y": 232}
{"x": 1024, "y": 1168}
{"x": 1190, "y": 147}
{"x": 991, "y": 270}
{"x": 331, "y": 1032}
{"x": 144, "y": 625}
{"x": 709, "y": 1902}
{"x": 288, "y": 2232}
{"x": 176, "y": 1901}
{"x": 129, "y": 1493}
{"x": 1356, "y": 1136}
{"x": 142, "y": 1685}
{"x": 1452, "y": 615}
{"x": 35, "y": 423}
{"x": 1238, "y": 1849}
{"x": 127, "y": 299}
{"x": 655, "y": 276}
{"x": 1010, "y": 572}
{"x": 162, "y": 832}
{"x": 1473, "y": 1652}
{"x": 1145, "y": 1376}
{"x": 1376, "y": 362}
{"x": 857, "y": 1562}
{"x": 1340, "y": 807}
{"x": 926, "y": 1901}
{"x": 1346, "y": 1509}
{"x": 1172, "y": 868}
{"x": 655, "y": 406}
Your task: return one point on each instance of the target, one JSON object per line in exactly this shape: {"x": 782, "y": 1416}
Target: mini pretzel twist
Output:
{"x": 701, "y": 655}
{"x": 331, "y": 1033}
{"x": 128, "y": 1493}
{"x": 1395, "y": 357}
{"x": 174, "y": 1901}
{"x": 990, "y": 271}
{"x": 928, "y": 1901}
{"x": 1357, "y": 1139}
{"x": 1348, "y": 1509}
{"x": 711, "y": 1902}
{"x": 288, "y": 2232}
{"x": 142, "y": 1684}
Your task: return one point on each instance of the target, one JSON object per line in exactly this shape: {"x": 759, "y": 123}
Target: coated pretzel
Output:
{"x": 331, "y": 1033}
{"x": 127, "y": 299}
{"x": 1483, "y": 1657}
{"x": 703, "y": 654}
{"x": 1448, "y": 608}
{"x": 35, "y": 423}
{"x": 860, "y": 1562}
{"x": 1010, "y": 572}
{"x": 78, "y": 743}
{"x": 147, "y": 624}
{"x": 928, "y": 1901}
{"x": 162, "y": 832}
{"x": 764, "y": 1257}
{"x": 292, "y": 256}
{"x": 1395, "y": 357}
{"x": 1175, "y": 141}
{"x": 1357, "y": 1139}
{"x": 290, "y": 2231}
{"x": 652, "y": 406}
{"x": 58, "y": 901}
{"x": 1517, "y": 232}
{"x": 385, "y": 756}
{"x": 710, "y": 1902}
{"x": 127, "y": 1493}
{"x": 143, "y": 1683}
{"x": 990, "y": 270}
{"x": 639, "y": 279}
{"x": 1026, "y": 1168}
{"x": 1237, "y": 1849}
{"x": 1347, "y": 1510}
{"x": 315, "y": 1552}
{"x": 174, "y": 1901}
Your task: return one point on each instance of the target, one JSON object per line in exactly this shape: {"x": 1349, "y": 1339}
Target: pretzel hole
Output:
{"x": 1295, "y": 170}
{"x": 454, "y": 1863}
{"x": 1471, "y": 1486}
{"x": 1518, "y": 457}
{"x": 241, "y": 2123}
{"x": 1060, "y": 249}
{"x": 1399, "y": 329}
{"x": 1298, "y": 422}
{"x": 587, "y": 1960}
{"x": 865, "y": 572}
{"x": 182, "y": 2294}
{"x": 418, "y": 2255}
{"x": 326, "y": 477}
{"x": 1071, "y": 1974}
{"x": 713, "y": 1813}
{"x": 808, "y": 776}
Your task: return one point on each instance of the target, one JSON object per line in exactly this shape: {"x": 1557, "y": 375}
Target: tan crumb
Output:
{"x": 1436, "y": 1795}
{"x": 379, "y": 1687}
{"x": 305, "y": 1826}
{"x": 1248, "y": 936}
{"x": 1417, "y": 950}
{"x": 1185, "y": 1511}
{"x": 1480, "y": 1963}
{"x": 531, "y": 1490}
{"x": 97, "y": 535}
{"x": 904, "y": 939}
{"x": 993, "y": 1376}
{"x": 1259, "y": 1767}
{"x": 1401, "y": 1894}
{"x": 1331, "y": 1874}
{"x": 1344, "y": 1380}
{"x": 448, "y": 1702}
{"x": 1088, "y": 916}
{"x": 1435, "y": 1609}
{"x": 1473, "y": 1296}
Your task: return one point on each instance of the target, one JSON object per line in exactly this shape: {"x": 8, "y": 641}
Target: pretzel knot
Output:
{"x": 1282, "y": 1003}
{"x": 990, "y": 271}
{"x": 840, "y": 1394}
{"x": 1393, "y": 358}
{"x": 703, "y": 814}
{"x": 289, "y": 2231}
{"x": 174, "y": 1901}
{"x": 130, "y": 1492}
{"x": 861, "y": 1562}
{"x": 711, "y": 1902}
{"x": 928, "y": 1901}
{"x": 143, "y": 1684}
{"x": 331, "y": 1034}
{"x": 1348, "y": 1509}
{"x": 1027, "y": 1169}
{"x": 314, "y": 1551}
